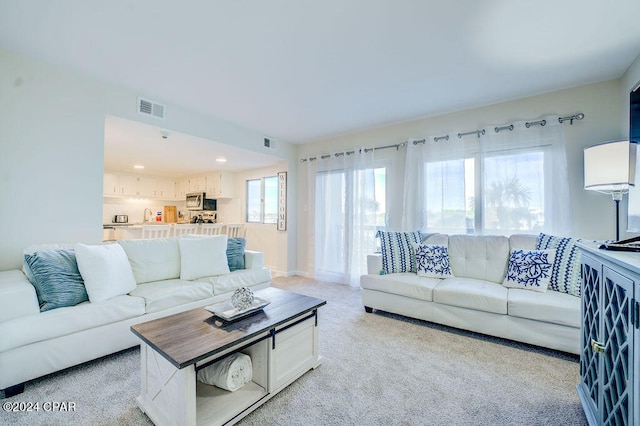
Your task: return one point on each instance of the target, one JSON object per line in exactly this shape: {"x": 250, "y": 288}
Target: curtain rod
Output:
{"x": 479, "y": 132}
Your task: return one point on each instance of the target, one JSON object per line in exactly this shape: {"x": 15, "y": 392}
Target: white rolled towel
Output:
{"x": 230, "y": 373}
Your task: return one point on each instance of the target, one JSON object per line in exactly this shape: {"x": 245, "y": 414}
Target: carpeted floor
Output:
{"x": 378, "y": 369}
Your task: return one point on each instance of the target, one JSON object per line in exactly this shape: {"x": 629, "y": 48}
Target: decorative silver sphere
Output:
{"x": 242, "y": 298}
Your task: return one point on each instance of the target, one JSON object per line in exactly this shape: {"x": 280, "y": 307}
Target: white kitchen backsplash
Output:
{"x": 134, "y": 208}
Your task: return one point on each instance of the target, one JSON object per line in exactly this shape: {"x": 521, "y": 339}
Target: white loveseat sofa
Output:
{"x": 475, "y": 298}
{"x": 34, "y": 343}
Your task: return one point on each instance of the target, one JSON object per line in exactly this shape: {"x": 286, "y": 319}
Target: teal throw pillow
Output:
{"x": 235, "y": 253}
{"x": 56, "y": 278}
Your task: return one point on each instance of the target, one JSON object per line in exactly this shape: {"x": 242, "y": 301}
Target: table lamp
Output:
{"x": 610, "y": 168}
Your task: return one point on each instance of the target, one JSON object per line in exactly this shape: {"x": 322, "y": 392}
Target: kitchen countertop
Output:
{"x": 138, "y": 225}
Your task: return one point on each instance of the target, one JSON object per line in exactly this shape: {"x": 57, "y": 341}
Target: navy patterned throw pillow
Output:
{"x": 432, "y": 261}
{"x": 530, "y": 269}
{"x": 397, "y": 251}
{"x": 565, "y": 276}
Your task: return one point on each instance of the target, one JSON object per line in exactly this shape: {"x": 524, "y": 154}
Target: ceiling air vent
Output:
{"x": 154, "y": 109}
{"x": 268, "y": 143}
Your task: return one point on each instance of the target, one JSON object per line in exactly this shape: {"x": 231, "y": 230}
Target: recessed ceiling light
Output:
{"x": 138, "y": 166}
{"x": 221, "y": 160}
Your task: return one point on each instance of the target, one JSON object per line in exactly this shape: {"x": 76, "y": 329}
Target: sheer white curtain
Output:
{"x": 525, "y": 178}
{"x": 341, "y": 189}
{"x": 435, "y": 191}
{"x": 511, "y": 181}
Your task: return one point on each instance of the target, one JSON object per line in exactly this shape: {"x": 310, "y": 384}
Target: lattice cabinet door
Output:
{"x": 609, "y": 385}
{"x": 589, "y": 361}
{"x": 618, "y": 343}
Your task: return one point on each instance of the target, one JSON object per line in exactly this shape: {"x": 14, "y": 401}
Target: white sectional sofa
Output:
{"x": 475, "y": 298}
{"x": 34, "y": 343}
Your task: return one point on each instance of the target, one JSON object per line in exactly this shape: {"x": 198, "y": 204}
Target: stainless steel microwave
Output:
{"x": 199, "y": 201}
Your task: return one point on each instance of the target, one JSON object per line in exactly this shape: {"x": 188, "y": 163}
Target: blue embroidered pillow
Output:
{"x": 530, "y": 269}
{"x": 565, "y": 276}
{"x": 397, "y": 251}
{"x": 432, "y": 261}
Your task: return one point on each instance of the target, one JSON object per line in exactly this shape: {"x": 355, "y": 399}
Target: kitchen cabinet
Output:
{"x": 609, "y": 387}
{"x": 182, "y": 188}
{"x": 166, "y": 189}
{"x": 197, "y": 184}
{"x": 219, "y": 185}
{"x": 111, "y": 185}
{"x": 146, "y": 186}
{"x": 127, "y": 185}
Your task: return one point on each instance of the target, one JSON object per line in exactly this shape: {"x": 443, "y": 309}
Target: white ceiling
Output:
{"x": 300, "y": 71}
{"x": 129, "y": 143}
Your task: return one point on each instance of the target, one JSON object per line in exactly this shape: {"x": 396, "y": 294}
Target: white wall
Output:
{"x": 593, "y": 213}
{"x": 264, "y": 237}
{"x": 52, "y": 150}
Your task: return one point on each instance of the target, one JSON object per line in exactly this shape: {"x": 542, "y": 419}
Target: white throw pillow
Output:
{"x": 530, "y": 269}
{"x": 105, "y": 270}
{"x": 203, "y": 257}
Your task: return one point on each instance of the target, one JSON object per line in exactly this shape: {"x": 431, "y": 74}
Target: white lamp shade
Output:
{"x": 610, "y": 167}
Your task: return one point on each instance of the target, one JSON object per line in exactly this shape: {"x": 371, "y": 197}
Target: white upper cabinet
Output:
{"x": 215, "y": 185}
{"x": 147, "y": 186}
{"x": 127, "y": 185}
{"x": 111, "y": 185}
{"x": 219, "y": 185}
{"x": 166, "y": 189}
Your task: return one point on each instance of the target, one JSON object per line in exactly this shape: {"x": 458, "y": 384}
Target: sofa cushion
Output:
{"x": 397, "y": 251}
{"x": 435, "y": 238}
{"x": 63, "y": 321}
{"x": 403, "y": 284}
{"x": 552, "y": 306}
{"x": 56, "y": 278}
{"x": 530, "y": 269}
{"x": 153, "y": 259}
{"x": 159, "y": 295}
{"x": 241, "y": 278}
{"x": 203, "y": 257}
{"x": 105, "y": 269}
{"x": 432, "y": 261}
{"x": 523, "y": 242}
{"x": 565, "y": 276}
{"x": 17, "y": 296}
{"x": 481, "y": 257}
{"x": 471, "y": 293}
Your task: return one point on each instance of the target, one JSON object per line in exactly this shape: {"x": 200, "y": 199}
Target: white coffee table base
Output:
{"x": 171, "y": 396}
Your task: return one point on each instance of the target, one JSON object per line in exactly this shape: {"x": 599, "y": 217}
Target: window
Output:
{"x": 450, "y": 190}
{"x": 514, "y": 188}
{"x": 262, "y": 200}
{"x": 496, "y": 193}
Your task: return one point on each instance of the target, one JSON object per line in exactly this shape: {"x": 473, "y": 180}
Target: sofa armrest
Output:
{"x": 253, "y": 259}
{"x": 374, "y": 263}
{"x": 17, "y": 296}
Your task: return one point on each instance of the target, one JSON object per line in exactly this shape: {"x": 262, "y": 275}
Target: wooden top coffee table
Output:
{"x": 281, "y": 339}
